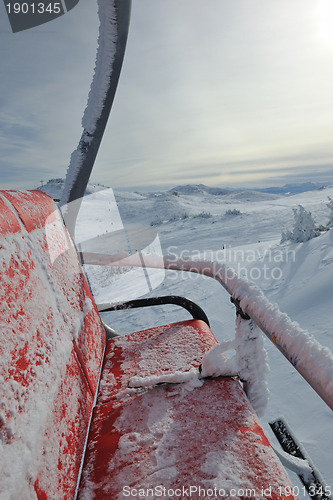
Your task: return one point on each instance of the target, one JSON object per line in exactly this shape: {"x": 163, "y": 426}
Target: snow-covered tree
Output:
{"x": 233, "y": 212}
{"x": 304, "y": 227}
{"x": 330, "y": 206}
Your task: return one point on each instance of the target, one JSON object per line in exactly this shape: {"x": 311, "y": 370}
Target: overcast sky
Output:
{"x": 221, "y": 92}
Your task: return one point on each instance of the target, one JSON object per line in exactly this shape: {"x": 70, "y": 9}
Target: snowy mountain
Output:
{"x": 54, "y": 188}
{"x": 286, "y": 190}
{"x": 290, "y": 189}
{"x": 199, "y": 189}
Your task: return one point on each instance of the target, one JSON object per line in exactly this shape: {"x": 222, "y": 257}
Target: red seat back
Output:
{"x": 51, "y": 349}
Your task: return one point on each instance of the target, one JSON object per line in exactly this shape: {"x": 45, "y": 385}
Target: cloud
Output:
{"x": 46, "y": 73}
{"x": 205, "y": 93}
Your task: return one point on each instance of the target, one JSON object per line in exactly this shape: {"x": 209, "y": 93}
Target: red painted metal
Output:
{"x": 45, "y": 306}
{"x": 32, "y": 207}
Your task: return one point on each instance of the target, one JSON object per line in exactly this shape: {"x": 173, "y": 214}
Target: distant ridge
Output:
{"x": 289, "y": 189}
{"x": 286, "y": 190}
{"x": 54, "y": 188}
{"x": 202, "y": 189}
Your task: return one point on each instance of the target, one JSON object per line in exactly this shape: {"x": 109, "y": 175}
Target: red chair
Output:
{"x": 69, "y": 422}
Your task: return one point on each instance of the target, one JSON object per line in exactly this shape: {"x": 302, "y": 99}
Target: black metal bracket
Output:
{"x": 239, "y": 310}
{"x": 185, "y": 303}
{"x": 313, "y": 482}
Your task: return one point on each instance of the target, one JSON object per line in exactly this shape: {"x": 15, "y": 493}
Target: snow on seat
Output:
{"x": 50, "y": 352}
{"x": 179, "y": 439}
{"x": 177, "y": 436}
{"x": 157, "y": 351}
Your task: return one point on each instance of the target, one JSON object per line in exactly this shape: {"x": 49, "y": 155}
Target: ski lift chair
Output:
{"x": 75, "y": 419}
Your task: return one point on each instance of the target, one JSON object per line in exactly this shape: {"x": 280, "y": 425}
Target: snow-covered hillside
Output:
{"x": 243, "y": 230}
{"x": 54, "y": 188}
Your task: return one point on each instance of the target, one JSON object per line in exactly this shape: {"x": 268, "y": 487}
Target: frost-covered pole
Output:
{"x": 312, "y": 360}
{"x": 114, "y": 18}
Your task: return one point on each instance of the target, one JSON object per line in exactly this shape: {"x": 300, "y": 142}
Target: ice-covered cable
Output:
{"x": 177, "y": 377}
{"x": 105, "y": 57}
{"x": 114, "y": 18}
